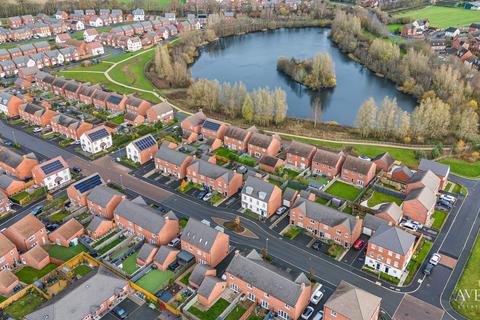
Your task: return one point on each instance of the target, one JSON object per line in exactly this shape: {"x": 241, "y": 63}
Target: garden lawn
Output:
{"x": 293, "y": 232}
{"x": 462, "y": 167}
{"x": 101, "y": 66}
{"x": 25, "y": 305}
{"x": 380, "y": 197}
{"x": 81, "y": 270}
{"x": 151, "y": 4}
{"x": 63, "y": 253}
{"x": 184, "y": 280}
{"x": 468, "y": 283}
{"x": 59, "y": 216}
{"x": 155, "y": 280}
{"x": 343, "y": 190}
{"x": 439, "y": 217}
{"x": 211, "y": 313}
{"x": 443, "y": 17}
{"x": 394, "y": 27}
{"x": 131, "y": 72}
{"x": 30, "y": 275}
{"x": 111, "y": 245}
{"x": 118, "y": 119}
{"x": 105, "y": 238}
{"x": 417, "y": 260}
{"x": 129, "y": 265}
{"x": 236, "y": 313}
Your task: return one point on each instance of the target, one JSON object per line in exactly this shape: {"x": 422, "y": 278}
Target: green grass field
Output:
{"x": 211, "y": 313}
{"x": 131, "y": 72}
{"x": 62, "y": 253}
{"x": 29, "y": 274}
{"x": 101, "y": 66}
{"x": 129, "y": 265}
{"x": 444, "y": 17}
{"x": 463, "y": 168}
{"x": 439, "y": 218}
{"x": 343, "y": 190}
{"x": 25, "y": 305}
{"x": 149, "y": 5}
{"x": 155, "y": 280}
{"x": 380, "y": 197}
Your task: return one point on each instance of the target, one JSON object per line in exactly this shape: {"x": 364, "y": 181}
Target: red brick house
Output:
{"x": 99, "y": 227}
{"x": 86, "y": 93}
{"x": 270, "y": 164}
{"x": 14, "y": 22}
{"x": 441, "y": 170}
{"x": 10, "y": 185}
{"x": 224, "y": 181}
{"x": 137, "y": 105}
{"x": 261, "y": 197}
{"x": 99, "y": 99}
{"x": 192, "y": 125}
{"x": 142, "y": 149}
{"x": 36, "y": 258}
{"x": 236, "y": 139}
{"x": 419, "y": 204}
{"x": 384, "y": 161}
{"x": 27, "y": 19}
{"x": 260, "y": 144}
{"x": 116, "y": 102}
{"x": 199, "y": 273}
{"x": 77, "y": 192}
{"x": 162, "y": 112}
{"x": 52, "y": 174}
{"x": 72, "y": 89}
{"x": 212, "y": 129}
{"x": 27, "y": 233}
{"x": 17, "y": 165}
{"x": 103, "y": 200}
{"x": 421, "y": 179}
{"x": 390, "y": 212}
{"x": 300, "y": 155}
{"x": 69, "y": 127}
{"x": 58, "y": 86}
{"x": 208, "y": 245}
{"x": 357, "y": 172}
{"x": 9, "y": 104}
{"x": 326, "y": 223}
{"x": 259, "y": 283}
{"x": 8, "y": 282}
{"x": 141, "y": 220}
{"x": 327, "y": 163}
{"x": 401, "y": 174}
{"x": 171, "y": 162}
{"x": 164, "y": 257}
{"x": 67, "y": 233}
{"x": 146, "y": 254}
{"x": 9, "y": 256}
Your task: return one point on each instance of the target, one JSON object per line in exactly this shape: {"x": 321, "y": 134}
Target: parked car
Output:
{"x": 175, "y": 242}
{"x": 8, "y": 143}
{"x": 207, "y": 197}
{"x": 201, "y": 194}
{"x": 317, "y": 245}
{"x": 37, "y": 129}
{"x": 242, "y": 169}
{"x": 363, "y": 157}
{"x": 445, "y": 203}
{"x": 37, "y": 210}
{"x": 174, "y": 266}
{"x": 120, "y": 312}
{"x": 307, "y": 313}
{"x": 76, "y": 170}
{"x": 281, "y": 210}
{"x": 319, "y": 315}
{"x": 317, "y": 295}
{"x": 448, "y": 198}
{"x": 435, "y": 259}
{"x": 409, "y": 225}
{"x": 428, "y": 269}
{"x": 418, "y": 224}
{"x": 358, "y": 244}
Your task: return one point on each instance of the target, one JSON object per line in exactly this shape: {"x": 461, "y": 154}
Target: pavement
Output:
{"x": 455, "y": 240}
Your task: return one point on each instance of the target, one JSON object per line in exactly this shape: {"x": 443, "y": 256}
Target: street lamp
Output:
{"x": 266, "y": 244}
{"x": 121, "y": 181}
{"x": 14, "y": 138}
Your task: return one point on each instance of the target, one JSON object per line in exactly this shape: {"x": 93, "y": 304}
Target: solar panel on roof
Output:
{"x": 99, "y": 134}
{"x": 211, "y": 125}
{"x": 114, "y": 99}
{"x": 145, "y": 142}
{"x": 88, "y": 184}
{"x": 52, "y": 167}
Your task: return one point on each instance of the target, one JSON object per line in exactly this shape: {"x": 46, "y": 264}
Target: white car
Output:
{"x": 364, "y": 158}
{"x": 37, "y": 129}
{"x": 448, "y": 198}
{"x": 317, "y": 295}
{"x": 409, "y": 225}
{"x": 307, "y": 313}
{"x": 207, "y": 197}
{"x": 319, "y": 315}
{"x": 174, "y": 242}
{"x": 435, "y": 259}
{"x": 281, "y": 210}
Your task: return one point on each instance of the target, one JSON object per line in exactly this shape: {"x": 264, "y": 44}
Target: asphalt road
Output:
{"x": 456, "y": 238}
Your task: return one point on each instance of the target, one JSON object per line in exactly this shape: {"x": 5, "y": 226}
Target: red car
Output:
{"x": 358, "y": 244}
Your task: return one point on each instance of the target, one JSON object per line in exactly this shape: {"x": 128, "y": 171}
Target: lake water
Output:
{"x": 252, "y": 58}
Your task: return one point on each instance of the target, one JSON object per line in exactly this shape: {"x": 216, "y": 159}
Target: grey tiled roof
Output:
{"x": 372, "y": 222}
{"x": 260, "y": 140}
{"x": 393, "y": 239}
{"x": 6, "y": 181}
{"x": 211, "y": 170}
{"x": 95, "y": 223}
{"x": 101, "y": 195}
{"x": 65, "y": 120}
{"x": 327, "y": 157}
{"x": 170, "y": 155}
{"x": 145, "y": 251}
{"x": 258, "y": 189}
{"x": 300, "y": 149}
{"x": 424, "y": 195}
{"x": 198, "y": 273}
{"x": 357, "y": 165}
{"x": 163, "y": 253}
{"x": 278, "y": 283}
{"x": 385, "y": 158}
{"x": 437, "y": 168}
{"x": 208, "y": 284}
{"x": 197, "y": 118}
{"x": 427, "y": 178}
{"x": 199, "y": 234}
{"x": 392, "y": 209}
{"x": 10, "y": 157}
{"x": 162, "y": 107}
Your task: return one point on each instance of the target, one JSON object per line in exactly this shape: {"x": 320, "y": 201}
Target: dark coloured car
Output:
{"x": 174, "y": 266}
{"x": 120, "y": 312}
{"x": 52, "y": 227}
{"x": 37, "y": 210}
{"x": 76, "y": 170}
{"x": 317, "y": 245}
{"x": 201, "y": 194}
{"x": 428, "y": 269}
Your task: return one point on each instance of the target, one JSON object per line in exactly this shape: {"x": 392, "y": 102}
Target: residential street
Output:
{"x": 455, "y": 240}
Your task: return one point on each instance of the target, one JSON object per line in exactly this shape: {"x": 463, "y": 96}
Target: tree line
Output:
{"x": 315, "y": 73}
{"x": 263, "y": 106}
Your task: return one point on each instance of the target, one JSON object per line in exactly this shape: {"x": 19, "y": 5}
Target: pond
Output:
{"x": 252, "y": 58}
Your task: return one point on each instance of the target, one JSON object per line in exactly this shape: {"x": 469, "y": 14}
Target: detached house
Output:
{"x": 192, "y": 125}
{"x": 236, "y": 139}
{"x": 326, "y": 223}
{"x": 69, "y": 127}
{"x": 17, "y": 165}
{"x": 140, "y": 219}
{"x": 9, "y": 185}
{"x": 260, "y": 144}
{"x": 90, "y": 34}
{"x": 142, "y": 149}
{"x": 52, "y": 174}
{"x": 327, "y": 163}
{"x": 8, "y": 282}
{"x": 99, "y": 227}
{"x": 96, "y": 140}
{"x": 224, "y": 181}
{"x": 441, "y": 170}
{"x": 357, "y": 171}
{"x": 300, "y": 155}
{"x": 261, "y": 197}
{"x": 9, "y": 256}
{"x": 36, "y": 258}
{"x": 172, "y": 162}
{"x": 419, "y": 204}
{"x": 138, "y": 15}
{"x": 273, "y": 289}
{"x": 162, "y": 112}
{"x": 9, "y": 104}
{"x": 137, "y": 105}
{"x": 78, "y": 191}
{"x": 27, "y": 233}
{"x": 67, "y": 234}
{"x": 103, "y": 200}
{"x": 384, "y": 161}
{"x": 421, "y": 179}
{"x": 35, "y": 114}
{"x": 389, "y": 250}
{"x": 208, "y": 245}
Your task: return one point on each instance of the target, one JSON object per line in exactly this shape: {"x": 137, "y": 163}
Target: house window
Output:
{"x": 333, "y": 313}
{"x": 338, "y": 232}
{"x": 265, "y": 304}
{"x": 282, "y": 314}
{"x": 251, "y": 297}
{"x": 380, "y": 249}
{"x": 234, "y": 287}
{"x": 395, "y": 264}
{"x": 249, "y": 286}
{"x": 397, "y": 256}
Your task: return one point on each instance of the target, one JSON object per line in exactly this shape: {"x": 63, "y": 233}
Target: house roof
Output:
{"x": 373, "y": 222}
{"x": 357, "y": 165}
{"x": 37, "y": 253}
{"x": 386, "y": 158}
{"x": 197, "y": 118}
{"x": 100, "y": 95}
{"x": 211, "y": 170}
{"x": 424, "y": 195}
{"x": 199, "y": 234}
{"x": 68, "y": 229}
{"x": 52, "y": 166}
{"x": 95, "y": 223}
{"x": 141, "y": 214}
{"x": 207, "y": 286}
{"x": 115, "y": 98}
{"x": 212, "y": 125}
{"x": 27, "y": 226}
{"x": 352, "y": 302}
{"x": 393, "y": 239}
{"x": 102, "y": 195}
{"x": 163, "y": 253}
{"x": 87, "y": 90}
{"x": 86, "y": 295}
{"x": 260, "y": 140}
{"x": 268, "y": 160}
{"x": 12, "y": 158}
{"x": 31, "y": 108}
{"x": 198, "y": 273}
{"x": 252, "y": 269}
{"x": 171, "y": 155}
{"x": 238, "y": 133}
{"x": 392, "y": 210}
{"x": 134, "y": 101}
{"x": 144, "y": 142}
{"x": 258, "y": 189}
{"x": 5, "y": 245}
{"x": 145, "y": 251}
{"x": 289, "y": 194}
{"x": 438, "y": 168}
{"x": 404, "y": 169}
{"x": 7, "y": 278}
{"x": 325, "y": 215}
{"x": 427, "y": 178}
{"x": 300, "y": 149}
{"x": 66, "y": 121}
{"x": 6, "y": 181}
{"x": 97, "y": 133}
{"x": 327, "y": 157}
{"x": 88, "y": 183}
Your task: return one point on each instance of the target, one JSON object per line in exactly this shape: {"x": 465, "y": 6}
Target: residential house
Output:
{"x": 9, "y": 256}
{"x": 116, "y": 102}
{"x": 390, "y": 212}
{"x": 273, "y": 289}
{"x": 421, "y": 179}
{"x": 224, "y": 181}
{"x": 134, "y": 119}
{"x": 350, "y": 302}
{"x": 27, "y": 49}
{"x": 67, "y": 234}
{"x": 210, "y": 290}
{"x": 15, "y": 52}
{"x": 8, "y": 68}
{"x": 41, "y": 60}
{"x": 199, "y": 272}
{"x": 99, "y": 227}
{"x": 441, "y": 170}
{"x": 147, "y": 26}
{"x": 162, "y": 112}
{"x": 172, "y": 162}
{"x": 58, "y": 86}
{"x": 172, "y": 30}
{"x": 438, "y": 45}
{"x": 90, "y": 34}
{"x": 358, "y": 172}
{"x": 36, "y": 114}
{"x": 327, "y": 163}
{"x": 4, "y": 55}
{"x": 138, "y": 15}
{"x": 192, "y": 125}
{"x": 261, "y": 197}
{"x": 171, "y": 16}
{"x": 9, "y": 104}
{"x": 16, "y": 164}
{"x": 61, "y": 15}
{"x": 102, "y": 201}
{"x": 70, "y": 54}
{"x": 140, "y": 219}
{"x": 27, "y": 233}
{"x": 8, "y": 282}
{"x": 142, "y": 149}
{"x": 61, "y": 38}
{"x": 23, "y": 62}
{"x": 419, "y": 204}
{"x": 164, "y": 257}
{"x": 213, "y": 130}
{"x": 14, "y": 22}
{"x": 452, "y": 32}
{"x": 21, "y": 34}
{"x": 260, "y": 144}
{"x": 52, "y": 174}
{"x": 76, "y": 25}
{"x": 401, "y": 174}
{"x": 270, "y": 164}
{"x": 146, "y": 254}
{"x": 300, "y": 155}
{"x": 95, "y": 21}
{"x": 383, "y": 162}
{"x": 41, "y": 29}
{"x": 137, "y": 105}
{"x": 69, "y": 127}
{"x": 72, "y": 88}
{"x": 86, "y": 93}
{"x": 9, "y": 185}
{"x": 96, "y": 140}
{"x": 27, "y": 19}
{"x": 134, "y": 44}
{"x": 236, "y": 139}
{"x": 78, "y": 191}
{"x": 326, "y": 223}
{"x": 36, "y": 258}
{"x": 56, "y": 57}
{"x": 89, "y": 299}
{"x": 94, "y": 48}
{"x": 5, "y": 204}
{"x": 208, "y": 245}
{"x": 42, "y": 46}
{"x": 389, "y": 250}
